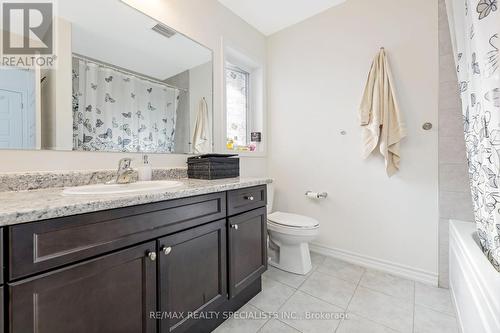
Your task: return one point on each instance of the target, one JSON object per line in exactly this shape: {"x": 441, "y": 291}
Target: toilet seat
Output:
{"x": 292, "y": 221}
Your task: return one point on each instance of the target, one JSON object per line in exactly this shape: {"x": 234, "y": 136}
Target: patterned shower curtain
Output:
{"x": 476, "y": 28}
{"x": 116, "y": 111}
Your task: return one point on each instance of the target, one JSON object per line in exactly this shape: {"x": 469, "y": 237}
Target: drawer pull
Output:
{"x": 166, "y": 250}
{"x": 251, "y": 198}
{"x": 151, "y": 256}
{"x": 234, "y": 226}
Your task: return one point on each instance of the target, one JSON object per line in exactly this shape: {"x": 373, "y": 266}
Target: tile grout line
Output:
{"x": 286, "y": 300}
{"x": 320, "y": 299}
{"x": 283, "y": 283}
{"x": 438, "y": 311}
{"x": 357, "y": 286}
{"x": 307, "y": 276}
{"x": 267, "y": 321}
{"x": 365, "y": 317}
{"x": 289, "y": 326}
{"x": 373, "y": 290}
{"x": 351, "y": 264}
{"x": 454, "y": 315}
{"x": 400, "y": 298}
{"x": 386, "y": 294}
{"x": 350, "y": 300}
{"x": 317, "y": 298}
{"x": 262, "y": 311}
{"x": 317, "y": 268}
{"x": 340, "y": 278}
{"x": 282, "y": 305}
{"x": 294, "y": 293}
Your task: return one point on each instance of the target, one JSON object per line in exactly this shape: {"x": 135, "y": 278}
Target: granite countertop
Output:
{"x": 35, "y": 205}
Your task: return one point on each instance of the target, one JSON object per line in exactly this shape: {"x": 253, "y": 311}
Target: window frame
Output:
{"x": 248, "y": 108}
{"x": 255, "y": 65}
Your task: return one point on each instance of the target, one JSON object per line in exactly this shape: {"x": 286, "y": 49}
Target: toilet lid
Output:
{"x": 293, "y": 220}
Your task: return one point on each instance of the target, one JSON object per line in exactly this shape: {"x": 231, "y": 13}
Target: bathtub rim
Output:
{"x": 469, "y": 268}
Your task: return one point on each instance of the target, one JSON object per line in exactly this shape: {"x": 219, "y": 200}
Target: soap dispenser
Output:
{"x": 145, "y": 171}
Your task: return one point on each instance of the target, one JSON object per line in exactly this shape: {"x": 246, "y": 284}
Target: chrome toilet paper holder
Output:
{"x": 321, "y": 195}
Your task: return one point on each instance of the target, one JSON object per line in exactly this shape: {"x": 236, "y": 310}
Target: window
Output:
{"x": 244, "y": 95}
{"x": 238, "y": 107}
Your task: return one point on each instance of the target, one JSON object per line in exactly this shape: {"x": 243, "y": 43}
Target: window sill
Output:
{"x": 258, "y": 154}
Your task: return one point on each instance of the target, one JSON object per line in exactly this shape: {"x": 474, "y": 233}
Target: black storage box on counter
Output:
{"x": 214, "y": 166}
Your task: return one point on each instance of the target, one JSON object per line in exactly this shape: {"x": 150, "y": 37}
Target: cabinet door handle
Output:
{"x": 151, "y": 256}
{"x": 234, "y": 226}
{"x": 166, "y": 250}
{"x": 251, "y": 198}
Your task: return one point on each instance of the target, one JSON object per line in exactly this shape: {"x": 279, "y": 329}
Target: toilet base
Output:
{"x": 292, "y": 258}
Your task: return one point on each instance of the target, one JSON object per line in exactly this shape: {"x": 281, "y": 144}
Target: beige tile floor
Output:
{"x": 373, "y": 301}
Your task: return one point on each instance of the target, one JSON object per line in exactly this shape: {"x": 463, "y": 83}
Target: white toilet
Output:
{"x": 289, "y": 237}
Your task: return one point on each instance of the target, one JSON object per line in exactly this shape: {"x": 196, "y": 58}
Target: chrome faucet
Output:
{"x": 125, "y": 173}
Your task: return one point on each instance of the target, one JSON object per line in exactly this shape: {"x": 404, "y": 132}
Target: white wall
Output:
{"x": 56, "y": 101}
{"x": 317, "y": 72}
{"x": 207, "y": 22}
{"x": 63, "y": 87}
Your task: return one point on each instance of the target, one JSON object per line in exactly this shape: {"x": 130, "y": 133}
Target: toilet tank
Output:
{"x": 270, "y": 198}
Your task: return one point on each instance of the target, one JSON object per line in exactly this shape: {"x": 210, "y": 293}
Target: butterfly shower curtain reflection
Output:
{"x": 119, "y": 112}
{"x": 476, "y": 30}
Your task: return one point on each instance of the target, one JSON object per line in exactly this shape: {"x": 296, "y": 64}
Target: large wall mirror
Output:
{"x": 122, "y": 82}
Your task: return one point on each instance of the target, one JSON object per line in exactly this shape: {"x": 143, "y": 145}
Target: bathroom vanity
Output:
{"x": 149, "y": 265}
{"x": 168, "y": 260}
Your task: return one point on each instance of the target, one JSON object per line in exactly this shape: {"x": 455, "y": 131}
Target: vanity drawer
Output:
{"x": 245, "y": 199}
{"x": 2, "y": 310}
{"x": 39, "y": 246}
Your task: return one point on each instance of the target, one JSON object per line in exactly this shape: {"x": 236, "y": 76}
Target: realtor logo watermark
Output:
{"x": 27, "y": 33}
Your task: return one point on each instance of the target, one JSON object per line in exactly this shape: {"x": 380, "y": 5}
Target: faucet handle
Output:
{"x": 124, "y": 163}
{"x": 124, "y": 175}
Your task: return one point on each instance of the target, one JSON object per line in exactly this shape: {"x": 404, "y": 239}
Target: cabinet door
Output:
{"x": 2, "y": 270}
{"x": 247, "y": 249}
{"x": 192, "y": 276}
{"x": 2, "y": 311}
{"x": 113, "y": 293}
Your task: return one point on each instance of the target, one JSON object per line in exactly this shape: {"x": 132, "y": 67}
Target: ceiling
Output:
{"x": 270, "y": 16}
{"x": 112, "y": 32}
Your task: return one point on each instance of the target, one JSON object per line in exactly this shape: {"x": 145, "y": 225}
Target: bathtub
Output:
{"x": 474, "y": 283}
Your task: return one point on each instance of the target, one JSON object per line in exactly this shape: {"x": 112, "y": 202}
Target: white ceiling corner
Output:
{"x": 270, "y": 16}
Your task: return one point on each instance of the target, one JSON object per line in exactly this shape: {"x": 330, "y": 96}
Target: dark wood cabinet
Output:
{"x": 114, "y": 293}
{"x": 245, "y": 199}
{"x": 2, "y": 310}
{"x": 247, "y": 249}
{"x": 2, "y": 268}
{"x": 164, "y": 267}
{"x": 40, "y": 246}
{"x": 192, "y": 275}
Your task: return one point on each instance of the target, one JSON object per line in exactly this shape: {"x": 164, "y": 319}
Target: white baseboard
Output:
{"x": 378, "y": 264}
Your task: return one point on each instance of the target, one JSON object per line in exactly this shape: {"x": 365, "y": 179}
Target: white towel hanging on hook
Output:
{"x": 379, "y": 114}
{"x": 201, "y": 135}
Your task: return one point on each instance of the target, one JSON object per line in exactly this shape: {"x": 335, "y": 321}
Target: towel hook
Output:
{"x": 427, "y": 126}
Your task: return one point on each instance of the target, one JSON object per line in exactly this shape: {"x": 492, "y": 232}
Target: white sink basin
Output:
{"x": 138, "y": 187}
